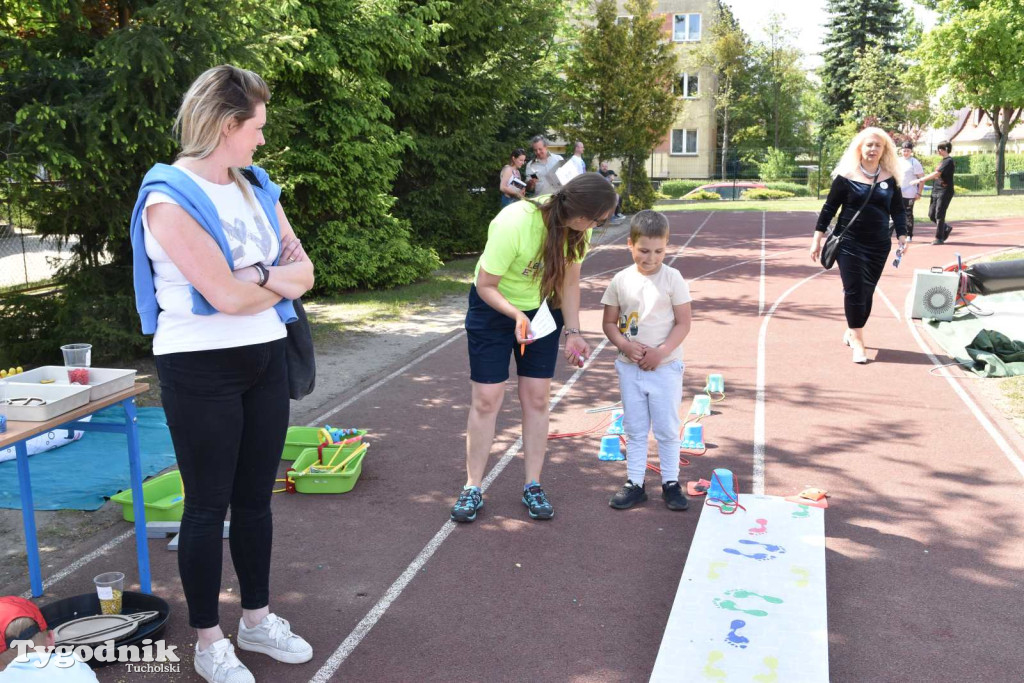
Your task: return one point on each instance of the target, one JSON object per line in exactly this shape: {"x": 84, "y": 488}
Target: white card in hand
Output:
{"x": 567, "y": 172}
{"x": 543, "y": 322}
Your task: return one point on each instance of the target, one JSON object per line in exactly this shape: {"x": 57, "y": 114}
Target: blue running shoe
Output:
{"x": 536, "y": 501}
{"x": 470, "y": 500}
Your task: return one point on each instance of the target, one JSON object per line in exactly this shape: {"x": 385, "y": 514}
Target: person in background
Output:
{"x": 22, "y": 622}
{"x": 611, "y": 176}
{"x": 217, "y": 266}
{"x": 647, "y": 317}
{"x": 533, "y": 255}
{"x": 911, "y": 174}
{"x": 869, "y": 160}
{"x": 942, "y": 192}
{"x": 577, "y": 158}
{"x": 542, "y": 168}
{"x": 511, "y": 182}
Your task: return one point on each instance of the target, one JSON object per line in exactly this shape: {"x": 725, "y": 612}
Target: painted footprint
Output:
{"x": 740, "y": 593}
{"x": 772, "y": 675}
{"x": 758, "y": 530}
{"x": 713, "y": 570}
{"x": 803, "y": 576}
{"x": 735, "y": 639}
{"x": 761, "y": 557}
{"x": 767, "y": 546}
{"x": 733, "y": 607}
{"x": 710, "y": 670}
{"x": 802, "y": 513}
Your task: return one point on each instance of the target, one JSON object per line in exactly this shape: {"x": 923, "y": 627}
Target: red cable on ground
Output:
{"x": 735, "y": 500}
{"x": 604, "y": 423}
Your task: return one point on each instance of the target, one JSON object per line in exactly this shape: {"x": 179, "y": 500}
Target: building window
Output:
{"x": 687, "y": 86}
{"x": 684, "y": 141}
{"x": 685, "y": 28}
{"x": 623, "y": 19}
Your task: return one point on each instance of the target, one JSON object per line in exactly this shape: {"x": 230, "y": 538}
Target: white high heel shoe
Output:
{"x": 846, "y": 337}
{"x": 859, "y": 357}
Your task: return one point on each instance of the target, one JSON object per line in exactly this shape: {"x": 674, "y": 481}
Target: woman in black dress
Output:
{"x": 870, "y": 158}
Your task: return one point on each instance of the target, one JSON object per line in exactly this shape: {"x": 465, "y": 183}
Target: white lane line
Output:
{"x": 84, "y": 560}
{"x": 759, "y": 429}
{"x": 760, "y": 294}
{"x": 888, "y": 303}
{"x": 743, "y": 263}
{"x": 696, "y": 232}
{"x": 996, "y": 435}
{"x": 391, "y": 594}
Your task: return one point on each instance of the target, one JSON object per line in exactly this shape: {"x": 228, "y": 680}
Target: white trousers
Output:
{"x": 651, "y": 399}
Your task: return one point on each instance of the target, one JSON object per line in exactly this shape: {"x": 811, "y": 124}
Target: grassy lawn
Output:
{"x": 962, "y": 208}
{"x": 353, "y": 311}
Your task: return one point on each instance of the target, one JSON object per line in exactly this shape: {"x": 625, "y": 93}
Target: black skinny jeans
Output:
{"x": 227, "y": 411}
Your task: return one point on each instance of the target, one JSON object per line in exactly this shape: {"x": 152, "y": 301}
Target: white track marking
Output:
{"x": 679, "y": 252}
{"x": 330, "y": 667}
{"x": 759, "y": 428}
{"x": 888, "y": 303}
{"x": 84, "y": 560}
{"x": 760, "y": 293}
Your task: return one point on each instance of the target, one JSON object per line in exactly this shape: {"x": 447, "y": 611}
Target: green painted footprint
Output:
{"x": 732, "y": 607}
{"x": 740, "y": 593}
{"x": 772, "y": 675}
{"x": 710, "y": 670}
{"x": 803, "y": 512}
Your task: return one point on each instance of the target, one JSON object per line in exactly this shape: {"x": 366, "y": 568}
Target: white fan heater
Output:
{"x": 934, "y": 294}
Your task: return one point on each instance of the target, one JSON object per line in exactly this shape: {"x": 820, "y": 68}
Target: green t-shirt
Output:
{"x": 514, "y": 240}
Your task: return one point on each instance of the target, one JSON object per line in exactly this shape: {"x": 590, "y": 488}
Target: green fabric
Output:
{"x": 996, "y": 355}
{"x": 959, "y": 338}
{"x": 514, "y": 241}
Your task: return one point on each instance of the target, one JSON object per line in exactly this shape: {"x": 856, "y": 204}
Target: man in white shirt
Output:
{"x": 542, "y": 168}
{"x": 910, "y": 183}
{"x": 577, "y": 158}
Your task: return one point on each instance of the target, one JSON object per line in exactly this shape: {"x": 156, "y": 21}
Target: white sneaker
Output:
{"x": 273, "y": 636}
{"x": 218, "y": 664}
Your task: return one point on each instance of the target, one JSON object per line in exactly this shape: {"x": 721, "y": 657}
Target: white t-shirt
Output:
{"x": 547, "y": 181}
{"x": 70, "y": 670}
{"x": 645, "y": 305}
{"x": 578, "y": 161}
{"x": 911, "y": 170}
{"x": 251, "y": 238}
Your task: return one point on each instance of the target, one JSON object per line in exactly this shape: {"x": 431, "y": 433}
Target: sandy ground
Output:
{"x": 345, "y": 365}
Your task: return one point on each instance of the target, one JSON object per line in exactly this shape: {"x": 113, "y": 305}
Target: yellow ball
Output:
{"x": 3, "y": 374}
{"x": 20, "y": 369}
{"x": 11, "y": 372}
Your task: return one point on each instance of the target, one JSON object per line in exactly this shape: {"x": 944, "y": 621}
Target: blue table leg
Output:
{"x": 28, "y": 517}
{"x": 138, "y": 504}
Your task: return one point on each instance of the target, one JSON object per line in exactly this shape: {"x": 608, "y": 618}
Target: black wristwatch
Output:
{"x": 264, "y": 273}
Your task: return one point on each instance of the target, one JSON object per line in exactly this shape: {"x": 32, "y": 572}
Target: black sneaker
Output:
{"x": 672, "y": 494}
{"x": 536, "y": 501}
{"x": 470, "y": 500}
{"x": 949, "y": 229}
{"x": 938, "y": 241}
{"x": 629, "y": 495}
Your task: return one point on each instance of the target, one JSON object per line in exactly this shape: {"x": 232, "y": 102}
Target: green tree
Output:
{"x": 776, "y": 91}
{"x": 332, "y": 143}
{"x": 472, "y": 96}
{"x": 618, "y": 91}
{"x": 852, "y": 26}
{"x": 726, "y": 51}
{"x": 973, "y": 54}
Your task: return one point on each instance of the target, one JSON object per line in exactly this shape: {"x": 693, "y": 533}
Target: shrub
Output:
{"x": 705, "y": 194}
{"x": 641, "y": 193}
{"x": 766, "y": 194}
{"x": 677, "y": 188}
{"x": 776, "y": 165}
{"x": 797, "y": 189}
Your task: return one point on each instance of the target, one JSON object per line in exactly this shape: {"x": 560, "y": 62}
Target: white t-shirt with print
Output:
{"x": 251, "y": 238}
{"x": 645, "y": 305}
{"x": 910, "y": 170}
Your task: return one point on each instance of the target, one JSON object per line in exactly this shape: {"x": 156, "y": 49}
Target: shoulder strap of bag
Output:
{"x": 251, "y": 177}
{"x": 874, "y": 181}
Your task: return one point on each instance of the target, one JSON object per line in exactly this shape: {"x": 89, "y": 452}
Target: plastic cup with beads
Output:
{"x": 77, "y": 360}
{"x": 110, "y": 589}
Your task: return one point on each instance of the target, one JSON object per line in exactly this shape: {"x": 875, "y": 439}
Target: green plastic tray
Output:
{"x": 341, "y": 481}
{"x": 162, "y": 497}
{"x": 299, "y": 439}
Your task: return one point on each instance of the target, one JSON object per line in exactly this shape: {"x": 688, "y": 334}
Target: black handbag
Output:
{"x": 301, "y": 357}
{"x": 300, "y": 354}
{"x": 830, "y": 250}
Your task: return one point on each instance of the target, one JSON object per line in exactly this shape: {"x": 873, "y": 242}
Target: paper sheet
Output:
{"x": 567, "y": 172}
{"x": 543, "y": 322}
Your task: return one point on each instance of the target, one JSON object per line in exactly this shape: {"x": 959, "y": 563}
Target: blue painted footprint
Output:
{"x": 767, "y": 546}
{"x": 735, "y": 639}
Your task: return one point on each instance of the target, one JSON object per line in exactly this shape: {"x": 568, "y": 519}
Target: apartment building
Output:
{"x": 688, "y": 148}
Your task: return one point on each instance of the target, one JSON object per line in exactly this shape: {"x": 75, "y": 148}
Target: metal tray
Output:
{"x": 102, "y": 381}
{"x": 59, "y": 400}
{"x": 62, "y": 611}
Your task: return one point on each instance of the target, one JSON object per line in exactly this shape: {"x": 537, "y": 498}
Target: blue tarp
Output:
{"x": 83, "y": 474}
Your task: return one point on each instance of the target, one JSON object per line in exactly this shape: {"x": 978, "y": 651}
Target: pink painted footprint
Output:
{"x": 735, "y": 639}
{"x": 758, "y": 530}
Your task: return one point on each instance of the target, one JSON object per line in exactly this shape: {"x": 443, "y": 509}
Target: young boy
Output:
{"x": 20, "y": 620}
{"x": 647, "y": 316}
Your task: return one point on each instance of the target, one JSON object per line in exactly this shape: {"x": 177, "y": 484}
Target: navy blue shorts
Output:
{"x": 492, "y": 339}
